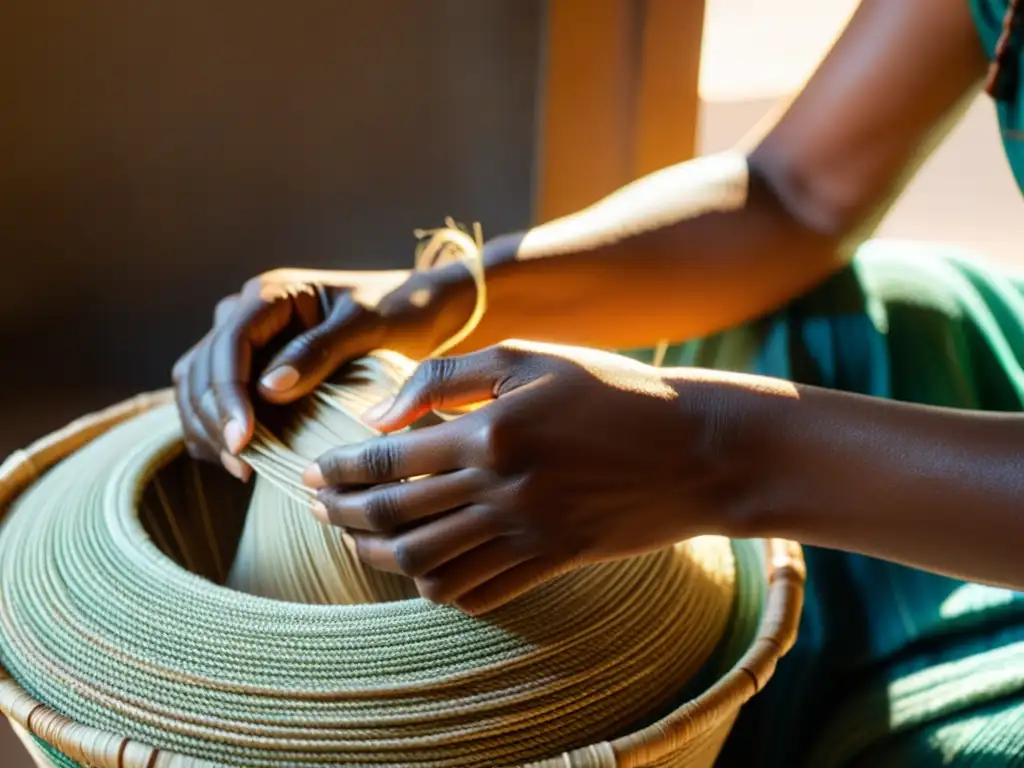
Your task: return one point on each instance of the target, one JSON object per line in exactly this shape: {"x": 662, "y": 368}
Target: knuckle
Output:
{"x": 440, "y": 370}
{"x": 509, "y": 353}
{"x": 225, "y": 392}
{"x": 180, "y": 370}
{"x": 334, "y": 468}
{"x": 208, "y": 404}
{"x": 196, "y": 391}
{"x": 491, "y": 518}
{"x": 512, "y": 365}
{"x": 405, "y": 559}
{"x": 311, "y": 347}
{"x": 278, "y": 275}
{"x": 497, "y": 441}
{"x": 253, "y": 286}
{"x": 380, "y": 459}
{"x": 432, "y": 374}
{"x": 523, "y": 510}
{"x": 225, "y": 307}
{"x": 256, "y": 286}
{"x": 383, "y": 509}
{"x": 228, "y": 337}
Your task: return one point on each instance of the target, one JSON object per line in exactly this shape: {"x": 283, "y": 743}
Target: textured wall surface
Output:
{"x": 154, "y": 155}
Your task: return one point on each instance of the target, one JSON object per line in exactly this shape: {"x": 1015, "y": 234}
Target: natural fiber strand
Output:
{"x": 103, "y": 627}
{"x": 113, "y": 620}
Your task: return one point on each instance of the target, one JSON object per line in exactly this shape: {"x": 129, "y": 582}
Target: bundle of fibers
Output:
{"x": 133, "y": 621}
{"x": 284, "y": 552}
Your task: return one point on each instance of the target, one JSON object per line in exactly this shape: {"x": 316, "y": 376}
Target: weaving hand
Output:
{"x": 315, "y": 321}
{"x": 581, "y": 456}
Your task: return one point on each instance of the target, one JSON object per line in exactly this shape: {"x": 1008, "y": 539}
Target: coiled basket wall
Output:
{"x": 649, "y": 670}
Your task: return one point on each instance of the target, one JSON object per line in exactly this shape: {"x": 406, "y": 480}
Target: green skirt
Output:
{"x": 893, "y": 666}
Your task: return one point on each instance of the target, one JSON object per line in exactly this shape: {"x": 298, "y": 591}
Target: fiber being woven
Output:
{"x": 101, "y": 625}
{"x": 151, "y": 615}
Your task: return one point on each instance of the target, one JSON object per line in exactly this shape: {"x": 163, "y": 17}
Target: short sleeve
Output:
{"x": 988, "y": 18}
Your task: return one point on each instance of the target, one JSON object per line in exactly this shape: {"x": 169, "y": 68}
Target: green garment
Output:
{"x": 893, "y": 666}
{"x": 988, "y": 16}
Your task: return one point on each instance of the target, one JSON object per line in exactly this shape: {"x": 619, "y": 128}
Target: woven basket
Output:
{"x": 692, "y": 735}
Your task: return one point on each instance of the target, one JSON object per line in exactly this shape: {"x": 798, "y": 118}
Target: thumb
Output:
{"x": 315, "y": 354}
{"x": 449, "y": 382}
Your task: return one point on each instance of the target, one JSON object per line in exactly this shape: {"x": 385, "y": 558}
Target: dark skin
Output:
{"x": 584, "y": 456}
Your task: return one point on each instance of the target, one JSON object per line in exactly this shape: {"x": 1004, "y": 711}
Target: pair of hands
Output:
{"x": 578, "y": 457}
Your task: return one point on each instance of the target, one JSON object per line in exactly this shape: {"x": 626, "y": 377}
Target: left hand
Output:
{"x": 581, "y": 456}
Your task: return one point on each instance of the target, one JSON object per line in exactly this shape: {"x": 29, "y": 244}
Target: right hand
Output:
{"x": 401, "y": 310}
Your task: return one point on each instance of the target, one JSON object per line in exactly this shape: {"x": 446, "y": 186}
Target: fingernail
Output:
{"x": 320, "y": 512}
{"x": 378, "y": 411}
{"x": 313, "y": 476}
{"x": 281, "y": 379}
{"x": 236, "y": 466}
{"x": 234, "y": 437}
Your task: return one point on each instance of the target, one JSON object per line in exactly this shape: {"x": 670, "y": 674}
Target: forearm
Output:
{"x": 678, "y": 254}
{"x": 687, "y": 251}
{"x": 933, "y": 488}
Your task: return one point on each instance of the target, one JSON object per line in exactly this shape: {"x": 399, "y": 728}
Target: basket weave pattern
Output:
{"x": 691, "y": 735}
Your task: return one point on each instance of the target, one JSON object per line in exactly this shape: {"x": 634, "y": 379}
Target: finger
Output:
{"x": 201, "y": 396}
{"x": 221, "y": 313}
{"x": 203, "y": 419}
{"x": 391, "y": 458}
{"x": 184, "y": 363}
{"x": 444, "y": 383}
{"x": 234, "y": 411}
{"x": 197, "y": 441}
{"x": 253, "y": 322}
{"x": 429, "y": 546}
{"x": 513, "y": 583}
{"x": 309, "y": 358}
{"x": 393, "y": 506}
{"x": 465, "y": 573}
{"x": 224, "y": 309}
{"x": 181, "y": 366}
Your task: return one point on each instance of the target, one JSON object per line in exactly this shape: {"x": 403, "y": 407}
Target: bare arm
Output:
{"x": 687, "y": 251}
{"x": 933, "y": 488}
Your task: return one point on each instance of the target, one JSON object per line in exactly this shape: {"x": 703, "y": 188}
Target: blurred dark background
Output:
{"x": 155, "y": 155}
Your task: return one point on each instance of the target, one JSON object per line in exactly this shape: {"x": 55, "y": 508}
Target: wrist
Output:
{"x": 744, "y": 442}
{"x": 452, "y": 290}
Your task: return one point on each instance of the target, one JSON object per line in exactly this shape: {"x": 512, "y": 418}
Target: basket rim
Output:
{"x": 785, "y": 577}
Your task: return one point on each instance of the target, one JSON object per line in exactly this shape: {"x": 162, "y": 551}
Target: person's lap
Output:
{"x": 892, "y": 665}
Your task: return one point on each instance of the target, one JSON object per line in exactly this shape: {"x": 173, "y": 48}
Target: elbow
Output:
{"x": 807, "y": 197}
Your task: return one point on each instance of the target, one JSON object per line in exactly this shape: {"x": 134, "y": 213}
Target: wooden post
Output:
{"x": 668, "y": 102}
{"x": 619, "y": 96}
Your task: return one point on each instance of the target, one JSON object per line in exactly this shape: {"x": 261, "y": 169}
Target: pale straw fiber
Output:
{"x": 137, "y": 634}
